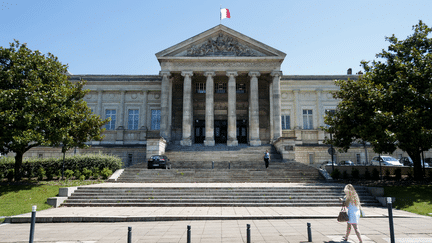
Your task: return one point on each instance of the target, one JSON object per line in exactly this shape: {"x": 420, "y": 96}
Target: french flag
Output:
{"x": 225, "y": 13}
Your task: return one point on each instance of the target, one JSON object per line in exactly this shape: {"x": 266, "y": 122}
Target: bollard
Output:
{"x": 248, "y": 236}
{"x": 212, "y": 165}
{"x": 188, "y": 234}
{"x": 32, "y": 225}
{"x": 390, "y": 213}
{"x": 129, "y": 234}
{"x": 309, "y": 231}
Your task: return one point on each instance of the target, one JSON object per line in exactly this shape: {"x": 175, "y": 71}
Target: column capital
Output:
{"x": 187, "y": 73}
{"x": 231, "y": 73}
{"x": 165, "y": 73}
{"x": 276, "y": 73}
{"x": 209, "y": 73}
{"x": 254, "y": 74}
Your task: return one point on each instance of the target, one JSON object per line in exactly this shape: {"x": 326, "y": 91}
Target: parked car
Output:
{"x": 346, "y": 162}
{"x": 327, "y": 163}
{"x": 386, "y": 160}
{"x": 158, "y": 161}
{"x": 406, "y": 161}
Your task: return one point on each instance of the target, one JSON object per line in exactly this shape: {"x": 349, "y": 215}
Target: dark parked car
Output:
{"x": 158, "y": 161}
{"x": 406, "y": 161}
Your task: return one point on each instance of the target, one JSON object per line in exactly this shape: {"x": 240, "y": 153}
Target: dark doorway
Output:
{"x": 242, "y": 128}
{"x": 199, "y": 131}
{"x": 220, "y": 131}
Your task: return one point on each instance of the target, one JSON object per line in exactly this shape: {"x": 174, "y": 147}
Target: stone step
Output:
{"x": 214, "y": 196}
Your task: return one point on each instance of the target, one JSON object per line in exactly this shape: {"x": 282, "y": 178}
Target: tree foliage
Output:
{"x": 39, "y": 106}
{"x": 390, "y": 105}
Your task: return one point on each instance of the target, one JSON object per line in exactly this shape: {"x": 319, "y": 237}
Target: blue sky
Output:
{"x": 122, "y": 37}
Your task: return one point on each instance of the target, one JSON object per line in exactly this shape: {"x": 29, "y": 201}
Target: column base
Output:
{"x": 210, "y": 142}
{"x": 255, "y": 142}
{"x": 232, "y": 143}
{"x": 186, "y": 142}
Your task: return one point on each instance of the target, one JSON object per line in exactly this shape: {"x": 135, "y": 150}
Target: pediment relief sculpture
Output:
{"x": 221, "y": 46}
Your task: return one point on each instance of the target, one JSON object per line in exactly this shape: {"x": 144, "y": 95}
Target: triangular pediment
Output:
{"x": 220, "y": 42}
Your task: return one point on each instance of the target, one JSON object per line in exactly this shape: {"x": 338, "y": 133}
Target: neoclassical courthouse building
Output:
{"x": 218, "y": 87}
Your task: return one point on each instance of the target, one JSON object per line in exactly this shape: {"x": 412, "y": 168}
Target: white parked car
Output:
{"x": 386, "y": 160}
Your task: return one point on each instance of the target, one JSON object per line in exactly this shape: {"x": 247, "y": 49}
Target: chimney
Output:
{"x": 349, "y": 72}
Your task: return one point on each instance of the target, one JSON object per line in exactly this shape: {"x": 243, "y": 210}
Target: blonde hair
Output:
{"x": 351, "y": 196}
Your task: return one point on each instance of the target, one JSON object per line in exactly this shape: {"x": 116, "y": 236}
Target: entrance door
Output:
{"x": 220, "y": 131}
{"x": 242, "y": 127}
{"x": 199, "y": 131}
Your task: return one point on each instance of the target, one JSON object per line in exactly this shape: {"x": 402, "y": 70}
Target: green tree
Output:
{"x": 40, "y": 106}
{"x": 390, "y": 105}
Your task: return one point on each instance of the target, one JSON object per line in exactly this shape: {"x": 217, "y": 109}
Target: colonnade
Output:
{"x": 187, "y": 126}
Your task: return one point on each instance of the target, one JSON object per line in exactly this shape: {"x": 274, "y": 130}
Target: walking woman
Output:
{"x": 352, "y": 202}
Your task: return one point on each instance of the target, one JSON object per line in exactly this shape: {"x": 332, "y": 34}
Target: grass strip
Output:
{"x": 19, "y": 199}
{"x": 416, "y": 199}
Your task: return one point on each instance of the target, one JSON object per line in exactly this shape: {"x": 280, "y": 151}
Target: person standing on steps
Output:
{"x": 352, "y": 202}
{"x": 266, "y": 158}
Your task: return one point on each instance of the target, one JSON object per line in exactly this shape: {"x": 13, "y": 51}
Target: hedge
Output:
{"x": 52, "y": 167}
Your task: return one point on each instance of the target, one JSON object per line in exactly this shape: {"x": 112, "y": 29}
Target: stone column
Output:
{"x": 277, "y": 124}
{"x": 164, "y": 126}
{"x": 209, "y": 110}
{"x": 120, "y": 127}
{"x": 143, "y": 118}
{"x": 297, "y": 115}
{"x": 232, "y": 112}
{"x": 320, "y": 116}
{"x": 254, "y": 110}
{"x": 271, "y": 110}
{"x": 99, "y": 107}
{"x": 99, "y": 112}
{"x": 121, "y": 110}
{"x": 187, "y": 109}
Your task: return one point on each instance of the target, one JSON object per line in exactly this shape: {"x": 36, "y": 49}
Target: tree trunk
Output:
{"x": 18, "y": 164}
{"x": 418, "y": 172}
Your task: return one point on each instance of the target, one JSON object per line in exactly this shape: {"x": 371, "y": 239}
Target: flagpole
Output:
{"x": 220, "y": 15}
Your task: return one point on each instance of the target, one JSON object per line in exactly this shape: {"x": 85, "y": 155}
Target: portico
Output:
{"x": 229, "y": 88}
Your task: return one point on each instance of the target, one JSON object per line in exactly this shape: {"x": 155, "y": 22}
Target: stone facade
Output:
{"x": 219, "y": 86}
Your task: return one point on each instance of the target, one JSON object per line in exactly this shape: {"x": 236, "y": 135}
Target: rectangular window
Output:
{"x": 200, "y": 88}
{"x": 155, "y": 119}
{"x": 307, "y": 120}
{"x": 133, "y": 120}
{"x": 286, "y": 122}
{"x": 240, "y": 88}
{"x": 220, "y": 88}
{"x": 111, "y": 124}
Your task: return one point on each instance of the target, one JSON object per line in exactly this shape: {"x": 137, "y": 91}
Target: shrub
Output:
{"x": 398, "y": 174}
{"x": 355, "y": 173}
{"x": 96, "y": 172}
{"x": 387, "y": 174}
{"x": 411, "y": 173}
{"x": 10, "y": 174}
{"x": 367, "y": 174}
{"x": 345, "y": 174}
{"x": 106, "y": 173}
{"x": 77, "y": 174}
{"x": 87, "y": 173}
{"x": 375, "y": 174}
{"x": 82, "y": 177}
{"x": 41, "y": 173}
{"x": 68, "y": 174}
{"x": 50, "y": 174}
{"x": 335, "y": 174}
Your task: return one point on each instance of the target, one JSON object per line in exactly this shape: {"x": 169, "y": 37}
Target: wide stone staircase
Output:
{"x": 222, "y": 164}
{"x": 159, "y": 196}
{"x": 229, "y": 177}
